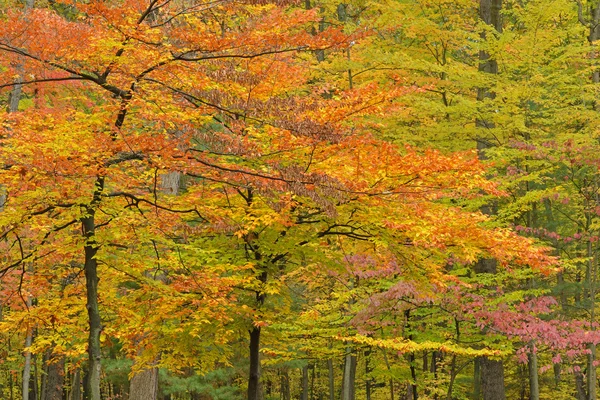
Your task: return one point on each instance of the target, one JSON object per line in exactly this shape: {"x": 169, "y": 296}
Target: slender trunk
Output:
{"x": 35, "y": 393}
{"x": 76, "y": 386}
{"x": 591, "y": 375}
{"x": 579, "y": 386}
{"x": 434, "y": 358}
{"x": 92, "y": 381}
{"x": 285, "y": 385}
{"x": 557, "y": 372}
{"x": 591, "y": 367}
{"x": 11, "y": 386}
{"x": 452, "y": 377}
{"x": 412, "y": 387}
{"x": 348, "y": 391}
{"x": 368, "y": 369}
{"x": 453, "y": 371}
{"x": 477, "y": 379}
{"x": 45, "y": 361}
{"x": 13, "y": 106}
{"x": 27, "y": 354}
{"x": 311, "y": 392}
{"x": 254, "y": 378}
{"x": 534, "y": 387}
{"x": 304, "y": 395}
{"x": 331, "y": 377}
{"x": 387, "y": 365}
{"x": 522, "y": 383}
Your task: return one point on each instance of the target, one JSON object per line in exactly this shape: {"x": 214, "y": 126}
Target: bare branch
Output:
{"x": 137, "y": 200}
{"x": 123, "y": 156}
{"x": 580, "y": 13}
{"x": 69, "y": 78}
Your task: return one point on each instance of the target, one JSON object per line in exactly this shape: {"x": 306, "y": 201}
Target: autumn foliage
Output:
{"x": 212, "y": 189}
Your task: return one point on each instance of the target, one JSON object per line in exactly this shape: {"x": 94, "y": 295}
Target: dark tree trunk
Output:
{"x": 477, "y": 379}
{"x": 492, "y": 379}
{"x": 304, "y": 395}
{"x": 254, "y": 378}
{"x": 331, "y": 379}
{"x": 368, "y": 370}
{"x": 92, "y": 381}
{"x": 580, "y": 387}
{"x": 412, "y": 387}
{"x": 55, "y": 380}
{"x": 285, "y": 385}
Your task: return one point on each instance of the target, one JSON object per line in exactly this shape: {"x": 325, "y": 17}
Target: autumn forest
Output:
{"x": 299, "y": 199}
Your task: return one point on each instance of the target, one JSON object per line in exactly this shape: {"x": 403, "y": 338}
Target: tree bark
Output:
{"x": 285, "y": 385}
{"x": 254, "y": 378}
{"x": 348, "y": 390}
{"x": 591, "y": 278}
{"x": 368, "y": 370}
{"x": 492, "y": 379}
{"x": 534, "y": 387}
{"x": 55, "y": 380}
{"x": 76, "y": 386}
{"x": 92, "y": 381}
{"x": 331, "y": 378}
{"x": 27, "y": 365}
{"x": 304, "y": 395}
{"x": 591, "y": 375}
{"x": 412, "y": 393}
{"x": 492, "y": 371}
{"x": 477, "y": 379}
{"x": 579, "y": 386}
{"x": 144, "y": 385}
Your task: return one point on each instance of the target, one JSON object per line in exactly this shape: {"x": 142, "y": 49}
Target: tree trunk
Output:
{"x": 254, "y": 378}
{"x": 92, "y": 381}
{"x": 492, "y": 371}
{"x": 412, "y": 393}
{"x": 27, "y": 366}
{"x": 55, "y": 380}
{"x": 534, "y": 387}
{"x": 285, "y": 385}
{"x": 477, "y": 379}
{"x": 144, "y": 385}
{"x": 331, "y": 377}
{"x": 557, "y": 373}
{"x": 368, "y": 369}
{"x": 492, "y": 379}
{"x": 591, "y": 375}
{"x": 591, "y": 367}
{"x": 579, "y": 386}
{"x": 76, "y": 386}
{"x": 35, "y": 393}
{"x": 348, "y": 391}
{"x": 304, "y": 395}
{"x": 452, "y": 377}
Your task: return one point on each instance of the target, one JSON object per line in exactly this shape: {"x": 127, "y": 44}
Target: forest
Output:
{"x": 299, "y": 199}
